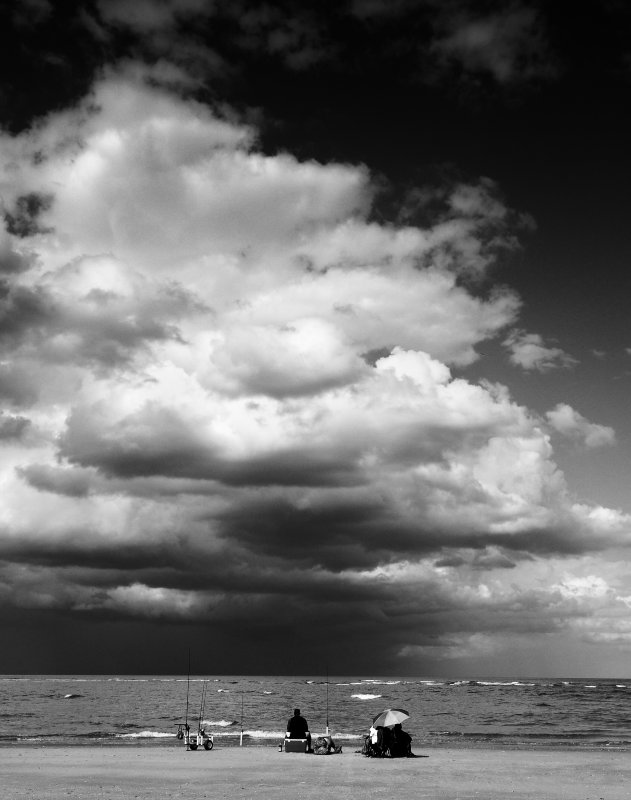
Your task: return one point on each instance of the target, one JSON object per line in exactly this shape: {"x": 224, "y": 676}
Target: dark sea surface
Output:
{"x": 137, "y": 711}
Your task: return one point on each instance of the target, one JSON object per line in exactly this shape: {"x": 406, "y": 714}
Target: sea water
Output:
{"x": 146, "y": 710}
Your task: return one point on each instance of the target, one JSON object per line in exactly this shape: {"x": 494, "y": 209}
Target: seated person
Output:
{"x": 298, "y": 728}
{"x": 379, "y": 740}
{"x": 401, "y": 742}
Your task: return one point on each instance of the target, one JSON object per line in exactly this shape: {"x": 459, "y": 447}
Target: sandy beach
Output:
{"x": 137, "y": 773}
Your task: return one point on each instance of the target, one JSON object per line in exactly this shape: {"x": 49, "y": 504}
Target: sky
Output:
{"x": 314, "y": 342}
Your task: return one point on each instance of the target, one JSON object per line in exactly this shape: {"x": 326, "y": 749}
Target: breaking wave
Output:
{"x": 219, "y": 723}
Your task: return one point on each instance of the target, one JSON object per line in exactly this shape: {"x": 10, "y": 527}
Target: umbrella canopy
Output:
{"x": 390, "y": 717}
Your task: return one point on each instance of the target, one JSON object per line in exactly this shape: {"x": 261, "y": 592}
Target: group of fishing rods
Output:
{"x": 200, "y": 739}
{"x": 204, "y": 739}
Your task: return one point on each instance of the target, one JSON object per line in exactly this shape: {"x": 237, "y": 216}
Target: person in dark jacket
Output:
{"x": 298, "y": 728}
{"x": 401, "y": 742}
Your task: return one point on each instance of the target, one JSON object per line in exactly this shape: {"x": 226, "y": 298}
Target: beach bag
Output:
{"x": 321, "y": 747}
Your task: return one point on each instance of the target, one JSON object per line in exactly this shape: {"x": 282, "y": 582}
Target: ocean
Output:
{"x": 141, "y": 711}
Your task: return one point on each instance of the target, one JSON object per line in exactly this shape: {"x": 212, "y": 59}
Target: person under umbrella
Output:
{"x": 388, "y": 735}
{"x": 400, "y": 742}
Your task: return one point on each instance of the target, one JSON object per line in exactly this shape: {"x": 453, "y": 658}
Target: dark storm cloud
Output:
{"x": 402, "y": 619}
{"x": 179, "y": 563}
{"x": 337, "y": 535}
{"x": 341, "y": 534}
{"x": 103, "y": 561}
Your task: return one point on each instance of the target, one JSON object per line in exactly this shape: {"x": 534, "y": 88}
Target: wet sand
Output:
{"x": 140, "y": 773}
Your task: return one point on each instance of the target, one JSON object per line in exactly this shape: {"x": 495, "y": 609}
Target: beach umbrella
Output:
{"x": 390, "y": 717}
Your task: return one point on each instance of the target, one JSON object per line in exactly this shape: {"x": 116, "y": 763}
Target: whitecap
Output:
{"x": 144, "y": 735}
{"x": 219, "y": 723}
{"x": 380, "y": 683}
{"x": 504, "y": 683}
{"x": 374, "y": 682}
{"x": 366, "y": 696}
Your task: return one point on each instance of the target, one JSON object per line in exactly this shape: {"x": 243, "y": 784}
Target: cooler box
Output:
{"x": 295, "y": 745}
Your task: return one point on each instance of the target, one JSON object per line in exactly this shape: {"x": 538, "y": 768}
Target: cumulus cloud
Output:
{"x": 530, "y": 352}
{"x": 243, "y": 395}
{"x": 508, "y": 44}
{"x": 568, "y": 422}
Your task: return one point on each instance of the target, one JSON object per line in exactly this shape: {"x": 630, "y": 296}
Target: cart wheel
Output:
{"x": 193, "y": 745}
{"x": 208, "y": 744}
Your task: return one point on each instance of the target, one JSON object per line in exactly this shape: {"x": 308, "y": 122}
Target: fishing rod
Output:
{"x": 202, "y": 705}
{"x": 188, "y": 684}
{"x": 241, "y": 737}
{"x": 327, "y": 699}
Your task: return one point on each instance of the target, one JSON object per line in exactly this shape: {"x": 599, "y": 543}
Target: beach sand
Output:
{"x": 140, "y": 773}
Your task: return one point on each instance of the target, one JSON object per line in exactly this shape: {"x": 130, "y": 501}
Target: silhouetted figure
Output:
{"x": 400, "y": 742}
{"x": 298, "y": 728}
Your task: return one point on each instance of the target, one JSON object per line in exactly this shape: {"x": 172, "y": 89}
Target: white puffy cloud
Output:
{"x": 568, "y": 422}
{"x": 530, "y": 352}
